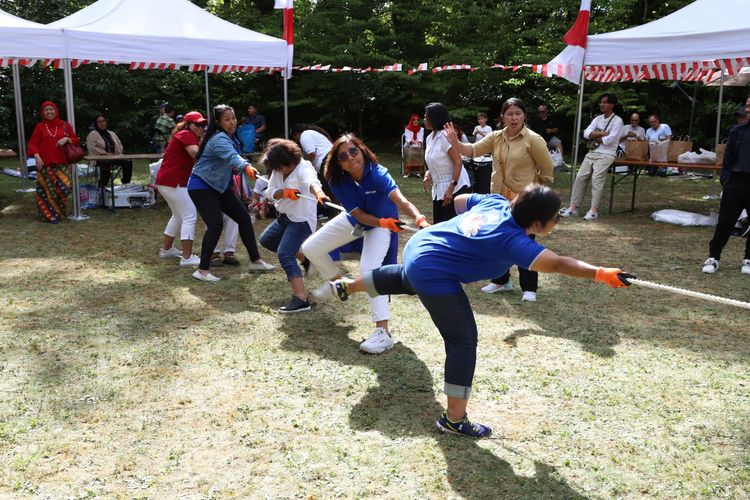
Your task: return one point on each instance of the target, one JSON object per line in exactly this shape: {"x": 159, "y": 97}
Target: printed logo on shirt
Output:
{"x": 370, "y": 192}
{"x": 472, "y": 223}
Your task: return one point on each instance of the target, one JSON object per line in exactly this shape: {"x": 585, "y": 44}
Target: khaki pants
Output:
{"x": 595, "y": 166}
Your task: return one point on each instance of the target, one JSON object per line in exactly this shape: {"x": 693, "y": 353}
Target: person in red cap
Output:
{"x": 52, "y": 175}
{"x": 172, "y": 179}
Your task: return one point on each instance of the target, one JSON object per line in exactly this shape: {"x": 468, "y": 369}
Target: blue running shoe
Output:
{"x": 463, "y": 427}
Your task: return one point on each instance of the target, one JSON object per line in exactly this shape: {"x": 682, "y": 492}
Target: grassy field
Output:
{"x": 120, "y": 376}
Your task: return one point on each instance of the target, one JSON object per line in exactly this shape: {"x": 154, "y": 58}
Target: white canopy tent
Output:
{"x": 704, "y": 38}
{"x": 16, "y": 35}
{"x": 147, "y": 34}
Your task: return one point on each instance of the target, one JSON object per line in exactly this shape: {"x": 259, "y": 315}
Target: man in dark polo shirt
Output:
{"x": 545, "y": 126}
{"x": 735, "y": 179}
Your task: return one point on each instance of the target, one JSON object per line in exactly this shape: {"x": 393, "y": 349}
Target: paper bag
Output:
{"x": 658, "y": 151}
{"x": 677, "y": 147}
{"x": 720, "y": 153}
{"x": 636, "y": 150}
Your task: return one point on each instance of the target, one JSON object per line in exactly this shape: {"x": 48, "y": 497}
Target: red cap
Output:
{"x": 195, "y": 117}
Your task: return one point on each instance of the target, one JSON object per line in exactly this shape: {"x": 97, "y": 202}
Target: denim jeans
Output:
{"x": 453, "y": 317}
{"x": 285, "y": 238}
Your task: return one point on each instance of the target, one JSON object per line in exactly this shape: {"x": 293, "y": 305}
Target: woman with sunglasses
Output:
{"x": 172, "y": 180}
{"x": 210, "y": 188}
{"x": 372, "y": 202}
{"x": 489, "y": 235}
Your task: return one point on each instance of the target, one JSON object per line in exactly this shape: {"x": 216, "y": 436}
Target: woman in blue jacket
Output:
{"x": 210, "y": 188}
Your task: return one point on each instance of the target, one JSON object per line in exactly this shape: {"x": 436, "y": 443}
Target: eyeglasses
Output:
{"x": 351, "y": 152}
{"x": 604, "y": 102}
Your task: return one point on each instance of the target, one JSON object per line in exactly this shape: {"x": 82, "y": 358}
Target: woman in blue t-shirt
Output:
{"x": 210, "y": 188}
{"x": 488, "y": 236}
{"x": 372, "y": 200}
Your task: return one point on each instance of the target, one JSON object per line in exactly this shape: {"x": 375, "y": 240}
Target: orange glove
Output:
{"x": 250, "y": 171}
{"x": 323, "y": 198}
{"x": 421, "y": 222}
{"x": 391, "y": 224}
{"x": 290, "y": 194}
{"x": 612, "y": 276}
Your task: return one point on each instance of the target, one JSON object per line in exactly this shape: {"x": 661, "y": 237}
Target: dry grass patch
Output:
{"x": 123, "y": 377}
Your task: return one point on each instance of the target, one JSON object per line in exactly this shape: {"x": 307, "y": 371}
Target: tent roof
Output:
{"x": 16, "y": 35}
{"x": 165, "y": 32}
{"x": 705, "y": 30}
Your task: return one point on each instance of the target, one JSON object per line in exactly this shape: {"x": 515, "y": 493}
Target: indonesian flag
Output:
{"x": 568, "y": 64}
{"x": 288, "y": 6}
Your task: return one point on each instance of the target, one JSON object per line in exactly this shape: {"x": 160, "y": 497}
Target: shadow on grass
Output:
{"x": 403, "y": 404}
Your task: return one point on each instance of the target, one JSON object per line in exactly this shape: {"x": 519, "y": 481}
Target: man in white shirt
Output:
{"x": 606, "y": 131}
{"x": 633, "y": 131}
{"x": 657, "y": 131}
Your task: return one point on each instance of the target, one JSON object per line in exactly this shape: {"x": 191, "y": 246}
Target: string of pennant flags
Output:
{"x": 695, "y": 71}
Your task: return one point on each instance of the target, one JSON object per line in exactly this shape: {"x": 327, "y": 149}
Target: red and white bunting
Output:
{"x": 451, "y": 67}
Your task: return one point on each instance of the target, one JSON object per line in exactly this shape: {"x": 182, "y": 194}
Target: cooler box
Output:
{"x": 130, "y": 196}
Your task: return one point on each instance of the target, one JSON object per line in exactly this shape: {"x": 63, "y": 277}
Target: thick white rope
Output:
{"x": 342, "y": 209}
{"x": 690, "y": 293}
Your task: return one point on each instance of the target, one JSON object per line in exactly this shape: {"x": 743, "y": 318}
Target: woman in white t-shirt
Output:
{"x": 315, "y": 144}
{"x": 446, "y": 176}
{"x": 292, "y": 184}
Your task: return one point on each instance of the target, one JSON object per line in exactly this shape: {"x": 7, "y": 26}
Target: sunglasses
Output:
{"x": 351, "y": 152}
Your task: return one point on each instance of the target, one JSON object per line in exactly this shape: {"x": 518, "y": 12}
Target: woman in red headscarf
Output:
{"x": 414, "y": 132}
{"x": 52, "y": 176}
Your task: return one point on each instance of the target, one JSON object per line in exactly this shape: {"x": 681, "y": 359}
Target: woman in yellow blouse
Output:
{"x": 519, "y": 157}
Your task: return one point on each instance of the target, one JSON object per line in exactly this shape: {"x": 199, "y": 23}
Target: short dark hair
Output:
{"x": 332, "y": 170}
{"x": 437, "y": 114}
{"x": 482, "y": 114}
{"x": 512, "y": 101}
{"x": 536, "y": 203}
{"x": 655, "y": 115}
{"x": 611, "y": 98}
{"x": 281, "y": 153}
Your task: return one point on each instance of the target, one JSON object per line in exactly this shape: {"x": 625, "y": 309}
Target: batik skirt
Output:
{"x": 52, "y": 190}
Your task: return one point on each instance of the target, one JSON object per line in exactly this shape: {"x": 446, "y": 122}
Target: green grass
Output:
{"x": 120, "y": 376}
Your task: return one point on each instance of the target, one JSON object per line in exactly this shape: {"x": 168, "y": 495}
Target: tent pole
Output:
{"x": 692, "y": 109}
{"x": 286, "y": 107}
{"x": 19, "y": 127}
{"x": 208, "y": 99}
{"x": 576, "y": 140}
{"x": 718, "y": 114}
{"x": 71, "y": 117}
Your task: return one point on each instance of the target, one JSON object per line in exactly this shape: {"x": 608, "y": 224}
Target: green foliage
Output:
{"x": 364, "y": 33}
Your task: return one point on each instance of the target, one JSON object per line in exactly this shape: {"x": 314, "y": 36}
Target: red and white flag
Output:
{"x": 288, "y": 6}
{"x": 568, "y": 64}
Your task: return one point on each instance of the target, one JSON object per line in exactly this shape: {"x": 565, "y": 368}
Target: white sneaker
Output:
{"x": 711, "y": 265}
{"x": 205, "y": 277}
{"x": 567, "y": 212}
{"x": 261, "y": 266}
{"x": 193, "y": 260}
{"x": 746, "y": 266}
{"x": 494, "y": 287}
{"x": 378, "y": 341}
{"x": 591, "y": 215}
{"x": 172, "y": 252}
{"x": 529, "y": 296}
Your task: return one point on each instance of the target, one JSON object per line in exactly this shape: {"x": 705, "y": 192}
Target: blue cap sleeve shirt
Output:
{"x": 370, "y": 194}
{"x": 480, "y": 244}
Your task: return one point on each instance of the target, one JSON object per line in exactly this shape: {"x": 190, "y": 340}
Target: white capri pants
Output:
{"x": 231, "y": 231}
{"x": 337, "y": 232}
{"x": 184, "y": 214}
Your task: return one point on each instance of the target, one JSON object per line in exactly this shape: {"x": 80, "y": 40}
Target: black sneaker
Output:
{"x": 296, "y": 305}
{"x": 463, "y": 427}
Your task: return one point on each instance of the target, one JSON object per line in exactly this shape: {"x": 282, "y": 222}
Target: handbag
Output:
{"x": 593, "y": 144}
{"x": 677, "y": 147}
{"x": 73, "y": 153}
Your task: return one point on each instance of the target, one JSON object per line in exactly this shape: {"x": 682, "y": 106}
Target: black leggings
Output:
{"x": 735, "y": 197}
{"x": 441, "y": 213}
{"x": 211, "y": 205}
{"x": 105, "y": 171}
